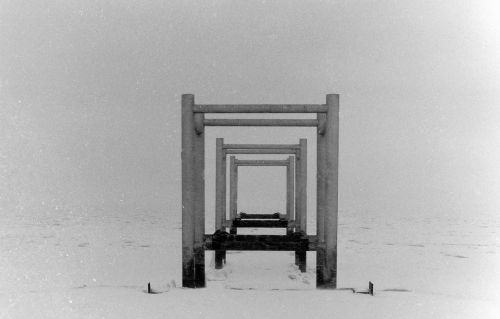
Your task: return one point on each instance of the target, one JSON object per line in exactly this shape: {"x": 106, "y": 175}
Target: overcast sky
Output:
{"x": 90, "y": 98}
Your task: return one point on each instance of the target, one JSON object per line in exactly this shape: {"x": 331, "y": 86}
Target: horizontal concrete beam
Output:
{"x": 260, "y": 122}
{"x": 261, "y": 151}
{"x": 261, "y": 162}
{"x": 261, "y": 146}
{"x": 260, "y": 108}
{"x": 261, "y": 242}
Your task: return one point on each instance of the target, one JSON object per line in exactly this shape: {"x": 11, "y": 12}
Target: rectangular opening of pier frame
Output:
{"x": 261, "y": 190}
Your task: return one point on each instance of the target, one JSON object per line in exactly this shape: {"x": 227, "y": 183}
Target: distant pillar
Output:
{"x": 301, "y": 185}
{"x": 224, "y": 190}
{"x": 220, "y": 197}
{"x": 233, "y": 188}
{"x": 193, "y": 195}
{"x": 290, "y": 188}
{"x": 290, "y": 193}
{"x": 301, "y": 200}
{"x": 327, "y": 193}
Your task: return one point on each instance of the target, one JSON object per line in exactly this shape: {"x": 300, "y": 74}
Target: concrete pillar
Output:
{"x": 233, "y": 188}
{"x": 327, "y": 194}
{"x": 220, "y": 197}
{"x": 301, "y": 184}
{"x": 290, "y": 188}
{"x": 301, "y": 200}
{"x": 193, "y": 196}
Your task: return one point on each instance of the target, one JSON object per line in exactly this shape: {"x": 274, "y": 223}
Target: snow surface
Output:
{"x": 97, "y": 265}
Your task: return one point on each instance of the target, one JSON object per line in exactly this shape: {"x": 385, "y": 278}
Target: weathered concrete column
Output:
{"x": 233, "y": 188}
{"x": 290, "y": 188}
{"x": 224, "y": 191}
{"x": 301, "y": 185}
{"x": 199, "y": 183}
{"x": 193, "y": 196}
{"x": 220, "y": 197}
{"x": 301, "y": 200}
{"x": 327, "y": 194}
{"x": 290, "y": 193}
{"x": 219, "y": 184}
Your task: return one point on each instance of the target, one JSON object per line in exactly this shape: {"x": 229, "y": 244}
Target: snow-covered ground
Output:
{"x": 97, "y": 265}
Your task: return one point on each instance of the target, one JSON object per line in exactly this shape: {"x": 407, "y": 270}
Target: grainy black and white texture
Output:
{"x": 90, "y": 169}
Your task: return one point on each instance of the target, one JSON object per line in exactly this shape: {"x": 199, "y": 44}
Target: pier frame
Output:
{"x": 194, "y": 239}
{"x": 290, "y": 183}
{"x": 300, "y": 152}
{"x": 298, "y": 222}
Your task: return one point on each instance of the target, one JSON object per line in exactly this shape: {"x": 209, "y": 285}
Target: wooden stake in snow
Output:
{"x": 370, "y": 288}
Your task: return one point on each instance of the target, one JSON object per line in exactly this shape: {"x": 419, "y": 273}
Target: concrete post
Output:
{"x": 301, "y": 200}
{"x": 327, "y": 194}
{"x": 193, "y": 197}
{"x": 220, "y": 197}
{"x": 219, "y": 184}
{"x": 199, "y": 184}
{"x": 301, "y": 184}
{"x": 290, "y": 181}
{"x": 233, "y": 188}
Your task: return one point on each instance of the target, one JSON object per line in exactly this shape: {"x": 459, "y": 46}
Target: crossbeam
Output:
{"x": 259, "y": 216}
{"x": 261, "y": 242}
{"x": 260, "y": 122}
{"x": 260, "y": 108}
{"x": 238, "y": 162}
{"x": 262, "y": 151}
{"x": 261, "y": 146}
{"x": 260, "y": 223}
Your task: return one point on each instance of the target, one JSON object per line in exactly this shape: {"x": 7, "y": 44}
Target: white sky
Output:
{"x": 90, "y": 97}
